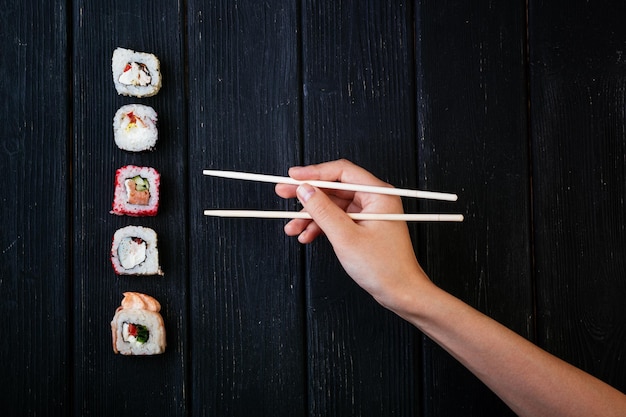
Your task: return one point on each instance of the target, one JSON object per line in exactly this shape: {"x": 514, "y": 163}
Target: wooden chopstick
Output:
{"x": 432, "y": 195}
{"x": 356, "y": 216}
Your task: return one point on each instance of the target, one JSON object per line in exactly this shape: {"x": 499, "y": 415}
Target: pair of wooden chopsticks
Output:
{"x": 336, "y": 186}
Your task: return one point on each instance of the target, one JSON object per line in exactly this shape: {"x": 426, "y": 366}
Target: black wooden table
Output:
{"x": 523, "y": 115}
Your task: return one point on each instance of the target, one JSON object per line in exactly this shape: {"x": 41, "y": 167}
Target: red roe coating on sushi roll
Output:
{"x": 136, "y": 191}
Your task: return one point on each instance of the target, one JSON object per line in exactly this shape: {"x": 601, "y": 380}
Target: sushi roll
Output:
{"x": 135, "y": 128}
{"x": 135, "y": 74}
{"x": 136, "y": 191}
{"x": 137, "y": 327}
{"x": 134, "y": 251}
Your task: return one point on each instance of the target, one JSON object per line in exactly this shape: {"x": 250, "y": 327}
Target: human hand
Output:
{"x": 378, "y": 255}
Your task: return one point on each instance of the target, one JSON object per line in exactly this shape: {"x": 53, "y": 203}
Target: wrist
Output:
{"x": 411, "y": 301}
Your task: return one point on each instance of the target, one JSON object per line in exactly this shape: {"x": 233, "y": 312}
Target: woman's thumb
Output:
{"x": 328, "y": 216}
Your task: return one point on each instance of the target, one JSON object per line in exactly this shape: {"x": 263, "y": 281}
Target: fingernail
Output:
{"x": 305, "y": 191}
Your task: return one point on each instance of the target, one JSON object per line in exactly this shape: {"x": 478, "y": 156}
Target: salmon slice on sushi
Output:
{"x": 135, "y": 128}
{"x": 136, "y": 74}
{"x": 136, "y": 191}
{"x": 134, "y": 251}
{"x": 137, "y": 327}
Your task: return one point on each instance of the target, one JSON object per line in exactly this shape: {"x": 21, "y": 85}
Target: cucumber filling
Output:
{"x": 135, "y": 333}
{"x": 141, "y": 183}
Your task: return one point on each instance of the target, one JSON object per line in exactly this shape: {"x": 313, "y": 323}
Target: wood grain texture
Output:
{"x": 578, "y": 85}
{"x": 35, "y": 348}
{"x": 473, "y": 140}
{"x": 358, "y": 104}
{"x": 247, "y": 303}
{"x": 425, "y": 94}
{"x": 106, "y": 384}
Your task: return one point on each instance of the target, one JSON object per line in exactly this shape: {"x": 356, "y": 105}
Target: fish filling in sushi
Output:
{"x": 135, "y": 333}
{"x": 131, "y": 120}
{"x": 131, "y": 252}
{"x": 135, "y": 128}
{"x": 137, "y": 190}
{"x": 135, "y": 73}
{"x": 134, "y": 252}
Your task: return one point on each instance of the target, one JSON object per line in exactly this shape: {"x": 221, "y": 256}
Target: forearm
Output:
{"x": 379, "y": 257}
{"x": 531, "y": 381}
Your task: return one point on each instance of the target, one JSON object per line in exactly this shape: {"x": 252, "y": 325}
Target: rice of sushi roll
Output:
{"x": 136, "y": 191}
{"x": 135, "y": 128}
{"x": 137, "y": 327}
{"x": 134, "y": 251}
{"x": 135, "y": 74}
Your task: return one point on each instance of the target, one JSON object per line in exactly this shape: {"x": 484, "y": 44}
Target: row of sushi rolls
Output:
{"x": 137, "y": 327}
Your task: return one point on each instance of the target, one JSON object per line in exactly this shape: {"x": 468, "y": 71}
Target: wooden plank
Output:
{"x": 358, "y": 104}
{"x": 34, "y": 192}
{"x": 108, "y": 384}
{"x": 473, "y": 141}
{"x": 247, "y": 303}
{"x": 578, "y": 136}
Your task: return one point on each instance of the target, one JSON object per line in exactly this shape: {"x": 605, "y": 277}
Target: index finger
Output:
{"x": 340, "y": 170}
